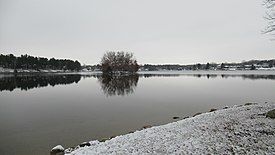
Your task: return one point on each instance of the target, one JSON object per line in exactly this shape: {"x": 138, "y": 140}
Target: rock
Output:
{"x": 84, "y": 144}
{"x": 94, "y": 142}
{"x": 197, "y": 114}
{"x": 104, "y": 139}
{"x": 146, "y": 126}
{"x": 250, "y": 103}
{"x": 176, "y": 117}
{"x": 211, "y": 110}
{"x": 263, "y": 114}
{"x": 271, "y": 114}
{"x": 57, "y": 150}
{"x": 226, "y": 107}
{"x": 69, "y": 150}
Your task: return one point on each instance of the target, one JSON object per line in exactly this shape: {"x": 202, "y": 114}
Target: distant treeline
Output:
{"x": 37, "y": 63}
{"x": 246, "y": 65}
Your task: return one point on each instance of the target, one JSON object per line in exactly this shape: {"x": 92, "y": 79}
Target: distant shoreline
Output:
{"x": 195, "y": 72}
{"x": 9, "y": 70}
{"x": 32, "y": 71}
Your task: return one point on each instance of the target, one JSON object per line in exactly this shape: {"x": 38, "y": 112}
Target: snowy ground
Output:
{"x": 240, "y": 129}
{"x": 9, "y": 70}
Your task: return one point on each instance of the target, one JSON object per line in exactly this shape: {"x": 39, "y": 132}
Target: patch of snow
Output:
{"x": 5, "y": 70}
{"x": 236, "y": 130}
{"x": 58, "y": 147}
{"x": 261, "y": 68}
{"x": 9, "y": 70}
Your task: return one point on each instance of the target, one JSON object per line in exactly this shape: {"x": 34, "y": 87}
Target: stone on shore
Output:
{"x": 57, "y": 150}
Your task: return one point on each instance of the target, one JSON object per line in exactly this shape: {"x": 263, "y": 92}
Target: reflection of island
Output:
{"x": 36, "y": 81}
{"x": 118, "y": 85}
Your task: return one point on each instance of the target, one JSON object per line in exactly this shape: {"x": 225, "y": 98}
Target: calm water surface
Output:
{"x": 38, "y": 112}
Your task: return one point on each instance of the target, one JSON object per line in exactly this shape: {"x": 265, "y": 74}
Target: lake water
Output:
{"x": 38, "y": 112}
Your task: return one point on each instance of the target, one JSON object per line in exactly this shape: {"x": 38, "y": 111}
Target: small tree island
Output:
{"x": 119, "y": 63}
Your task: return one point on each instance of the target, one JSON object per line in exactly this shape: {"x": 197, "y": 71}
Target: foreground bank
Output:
{"x": 240, "y": 129}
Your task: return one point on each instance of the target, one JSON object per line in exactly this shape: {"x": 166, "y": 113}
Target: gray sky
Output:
{"x": 156, "y": 31}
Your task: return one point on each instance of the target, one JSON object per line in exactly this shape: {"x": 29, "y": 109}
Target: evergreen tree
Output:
{"x": 37, "y": 63}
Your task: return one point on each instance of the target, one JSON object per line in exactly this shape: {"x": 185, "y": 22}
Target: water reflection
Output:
{"x": 158, "y": 75}
{"x": 208, "y": 76}
{"x": 33, "y": 117}
{"x": 25, "y": 82}
{"x": 111, "y": 85}
{"x": 253, "y": 77}
{"x": 243, "y": 76}
{"x": 118, "y": 85}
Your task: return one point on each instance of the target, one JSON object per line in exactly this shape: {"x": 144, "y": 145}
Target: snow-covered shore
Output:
{"x": 240, "y": 129}
{"x": 9, "y": 70}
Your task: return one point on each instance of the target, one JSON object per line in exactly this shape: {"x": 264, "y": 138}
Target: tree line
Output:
{"x": 37, "y": 63}
{"x": 248, "y": 65}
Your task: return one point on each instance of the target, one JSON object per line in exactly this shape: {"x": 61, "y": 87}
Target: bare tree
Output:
{"x": 270, "y": 16}
{"x": 118, "y": 62}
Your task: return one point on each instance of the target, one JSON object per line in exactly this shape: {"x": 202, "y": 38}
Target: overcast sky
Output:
{"x": 156, "y": 31}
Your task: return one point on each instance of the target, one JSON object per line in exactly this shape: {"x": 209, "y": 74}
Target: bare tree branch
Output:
{"x": 270, "y": 16}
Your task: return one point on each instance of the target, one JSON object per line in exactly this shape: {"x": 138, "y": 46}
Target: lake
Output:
{"x": 38, "y": 112}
